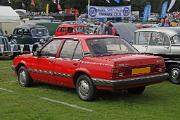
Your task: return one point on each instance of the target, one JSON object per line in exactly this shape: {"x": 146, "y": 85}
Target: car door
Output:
{"x": 141, "y": 41}
{"x": 68, "y": 62}
{"x": 44, "y": 67}
{"x": 159, "y": 44}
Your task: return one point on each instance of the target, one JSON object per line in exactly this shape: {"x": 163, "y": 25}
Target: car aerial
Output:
{"x": 70, "y": 29}
{"x": 5, "y": 48}
{"x": 163, "y": 41}
{"x": 89, "y": 63}
{"x": 29, "y": 35}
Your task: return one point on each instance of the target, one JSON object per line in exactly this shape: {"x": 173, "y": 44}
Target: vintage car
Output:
{"x": 70, "y": 29}
{"x": 163, "y": 41}
{"x": 5, "y": 48}
{"x": 29, "y": 34}
{"x": 89, "y": 63}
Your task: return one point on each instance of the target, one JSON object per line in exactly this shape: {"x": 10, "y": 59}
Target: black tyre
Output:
{"x": 174, "y": 74}
{"x": 85, "y": 88}
{"x": 137, "y": 90}
{"x": 24, "y": 78}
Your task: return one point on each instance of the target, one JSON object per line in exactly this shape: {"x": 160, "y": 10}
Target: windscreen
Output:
{"x": 39, "y": 32}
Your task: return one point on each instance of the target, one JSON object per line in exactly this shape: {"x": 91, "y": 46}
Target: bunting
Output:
{"x": 108, "y": 1}
{"x": 54, "y": 1}
{"x": 58, "y": 5}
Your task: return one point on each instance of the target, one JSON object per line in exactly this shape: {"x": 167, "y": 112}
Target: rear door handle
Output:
{"x": 167, "y": 47}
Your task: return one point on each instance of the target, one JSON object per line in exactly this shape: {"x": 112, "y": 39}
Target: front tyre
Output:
{"x": 85, "y": 88}
{"x": 24, "y": 78}
{"x": 174, "y": 74}
{"x": 137, "y": 90}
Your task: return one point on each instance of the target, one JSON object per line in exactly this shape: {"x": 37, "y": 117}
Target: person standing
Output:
{"x": 101, "y": 29}
{"x": 108, "y": 28}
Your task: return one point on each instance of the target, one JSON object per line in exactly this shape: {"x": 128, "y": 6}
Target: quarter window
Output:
{"x": 68, "y": 49}
{"x": 50, "y": 50}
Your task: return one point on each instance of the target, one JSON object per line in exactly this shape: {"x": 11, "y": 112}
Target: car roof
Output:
{"x": 85, "y": 36}
{"x": 71, "y": 25}
{"x": 30, "y": 26}
{"x": 168, "y": 30}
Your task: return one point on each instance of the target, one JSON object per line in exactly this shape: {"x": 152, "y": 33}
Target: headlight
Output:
{"x": 42, "y": 41}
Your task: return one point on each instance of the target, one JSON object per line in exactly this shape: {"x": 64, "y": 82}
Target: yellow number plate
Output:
{"x": 141, "y": 70}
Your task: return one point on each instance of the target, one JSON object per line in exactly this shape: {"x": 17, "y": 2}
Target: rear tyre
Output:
{"x": 174, "y": 74}
{"x": 85, "y": 88}
{"x": 24, "y": 78}
{"x": 137, "y": 90}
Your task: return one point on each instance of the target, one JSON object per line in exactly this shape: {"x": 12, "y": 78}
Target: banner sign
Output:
{"x": 147, "y": 12}
{"x": 109, "y": 12}
{"x": 164, "y": 9}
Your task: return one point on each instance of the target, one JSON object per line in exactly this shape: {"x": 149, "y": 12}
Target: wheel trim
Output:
{"x": 22, "y": 77}
{"x": 175, "y": 74}
{"x": 84, "y": 88}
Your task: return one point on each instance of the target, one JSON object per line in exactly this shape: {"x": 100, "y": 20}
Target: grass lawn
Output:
{"x": 159, "y": 102}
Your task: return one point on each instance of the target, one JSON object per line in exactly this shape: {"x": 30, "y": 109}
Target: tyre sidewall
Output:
{"x": 92, "y": 89}
{"x": 28, "y": 81}
{"x": 174, "y": 81}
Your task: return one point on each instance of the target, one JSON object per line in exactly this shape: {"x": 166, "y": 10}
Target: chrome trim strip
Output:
{"x": 130, "y": 81}
{"x": 50, "y": 73}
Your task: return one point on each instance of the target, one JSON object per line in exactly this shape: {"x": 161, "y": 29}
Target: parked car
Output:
{"x": 70, "y": 29}
{"x": 1, "y": 32}
{"x": 89, "y": 63}
{"x": 163, "y": 41}
{"x": 27, "y": 35}
{"x": 5, "y": 49}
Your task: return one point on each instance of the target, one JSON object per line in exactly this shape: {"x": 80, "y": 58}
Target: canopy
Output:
{"x": 7, "y": 14}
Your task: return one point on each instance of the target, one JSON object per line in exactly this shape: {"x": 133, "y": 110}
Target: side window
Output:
{"x": 156, "y": 39}
{"x": 50, "y": 50}
{"x": 70, "y": 30}
{"x": 62, "y": 29}
{"x": 78, "y": 52}
{"x": 68, "y": 49}
{"x": 136, "y": 36}
{"x": 166, "y": 40}
{"x": 144, "y": 38}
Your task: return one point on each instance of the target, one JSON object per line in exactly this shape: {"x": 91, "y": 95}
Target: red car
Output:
{"x": 70, "y": 29}
{"x": 89, "y": 63}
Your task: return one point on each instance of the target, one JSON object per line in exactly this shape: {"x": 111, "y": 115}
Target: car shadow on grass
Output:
{"x": 148, "y": 96}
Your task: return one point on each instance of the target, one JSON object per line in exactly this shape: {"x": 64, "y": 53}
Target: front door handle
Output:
{"x": 167, "y": 47}
{"x": 51, "y": 60}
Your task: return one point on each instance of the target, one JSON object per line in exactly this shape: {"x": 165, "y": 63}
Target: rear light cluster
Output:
{"x": 121, "y": 72}
{"x": 158, "y": 68}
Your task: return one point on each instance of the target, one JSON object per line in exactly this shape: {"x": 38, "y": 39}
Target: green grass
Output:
{"x": 159, "y": 102}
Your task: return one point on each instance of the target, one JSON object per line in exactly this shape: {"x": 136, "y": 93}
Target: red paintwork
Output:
{"x": 95, "y": 67}
{"x": 66, "y": 26}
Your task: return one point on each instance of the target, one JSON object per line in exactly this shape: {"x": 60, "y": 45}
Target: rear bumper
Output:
{"x": 124, "y": 83}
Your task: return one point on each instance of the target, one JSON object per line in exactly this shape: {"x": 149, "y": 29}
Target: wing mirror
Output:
{"x": 37, "y": 53}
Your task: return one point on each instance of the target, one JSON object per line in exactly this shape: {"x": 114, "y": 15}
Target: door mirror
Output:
{"x": 37, "y": 53}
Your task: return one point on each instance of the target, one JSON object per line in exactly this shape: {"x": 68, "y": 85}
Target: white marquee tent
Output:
{"x": 8, "y": 19}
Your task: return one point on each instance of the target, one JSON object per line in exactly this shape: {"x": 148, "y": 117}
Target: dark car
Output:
{"x": 25, "y": 36}
{"x": 1, "y": 32}
{"x": 5, "y": 49}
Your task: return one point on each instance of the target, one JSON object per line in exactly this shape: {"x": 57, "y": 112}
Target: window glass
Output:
{"x": 26, "y": 32}
{"x": 1, "y": 40}
{"x": 166, "y": 40}
{"x": 80, "y": 29}
{"x": 144, "y": 38}
{"x": 78, "y": 52}
{"x": 68, "y": 49}
{"x": 109, "y": 46}
{"x": 176, "y": 40}
{"x": 70, "y": 30}
{"x": 20, "y": 31}
{"x": 38, "y": 32}
{"x": 51, "y": 49}
{"x": 63, "y": 29}
{"x": 156, "y": 39}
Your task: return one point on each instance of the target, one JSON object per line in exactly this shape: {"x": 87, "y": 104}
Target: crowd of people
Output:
{"x": 105, "y": 28}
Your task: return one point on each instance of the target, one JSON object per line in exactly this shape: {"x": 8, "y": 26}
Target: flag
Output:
{"x": 47, "y": 8}
{"x": 33, "y": 2}
{"x": 108, "y": 1}
{"x": 117, "y": 1}
{"x": 171, "y": 5}
{"x": 147, "y": 12}
{"x": 58, "y": 5}
{"x": 164, "y": 9}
